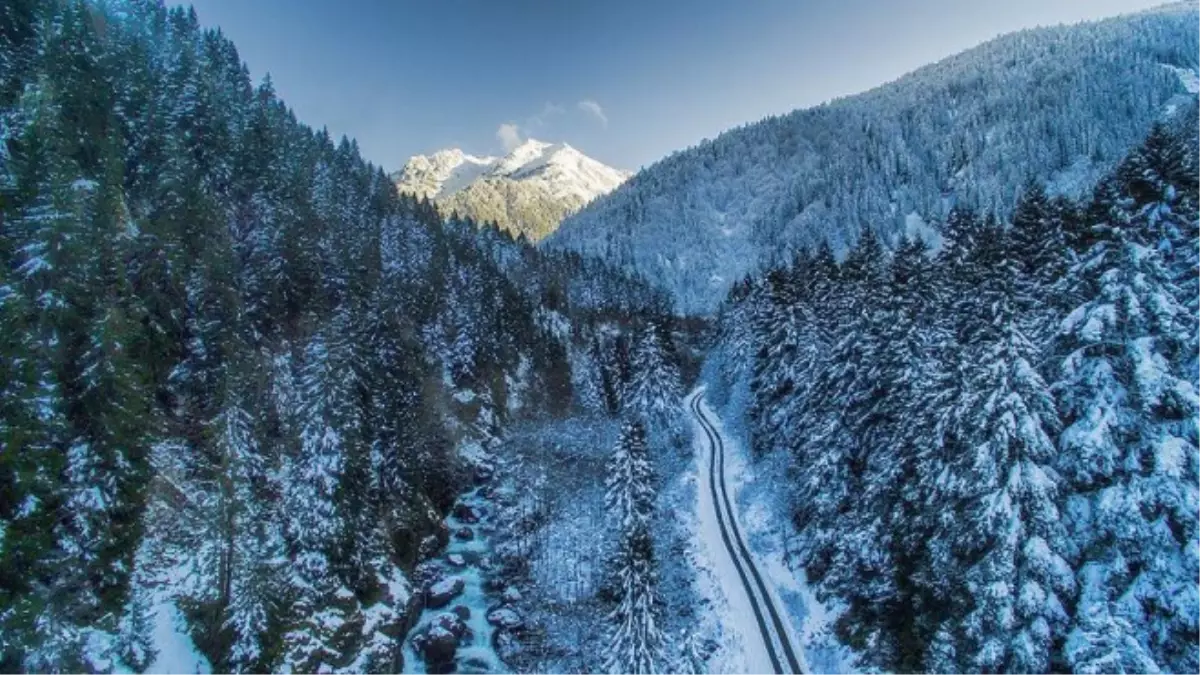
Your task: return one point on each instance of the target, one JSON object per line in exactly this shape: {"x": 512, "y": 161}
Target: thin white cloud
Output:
{"x": 593, "y": 108}
{"x": 548, "y": 110}
{"x": 509, "y": 135}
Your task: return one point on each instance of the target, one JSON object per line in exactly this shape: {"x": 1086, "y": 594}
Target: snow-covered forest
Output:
{"x": 261, "y": 412}
{"x": 236, "y": 369}
{"x": 1061, "y": 104}
{"x": 991, "y": 451}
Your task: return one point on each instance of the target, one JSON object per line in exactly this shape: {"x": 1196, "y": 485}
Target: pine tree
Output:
{"x": 1130, "y": 446}
{"x": 1020, "y": 584}
{"x": 314, "y": 522}
{"x": 635, "y": 641}
{"x": 654, "y": 389}
{"x": 997, "y": 467}
{"x": 1160, "y": 179}
{"x": 898, "y": 422}
{"x": 256, "y": 543}
{"x": 587, "y": 378}
{"x": 1039, "y": 243}
{"x": 788, "y": 345}
{"x": 831, "y": 457}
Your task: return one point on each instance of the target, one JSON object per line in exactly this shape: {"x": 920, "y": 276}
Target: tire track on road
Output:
{"x": 741, "y": 554}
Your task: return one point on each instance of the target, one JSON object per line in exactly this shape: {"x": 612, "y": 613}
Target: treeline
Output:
{"x": 993, "y": 447}
{"x": 567, "y": 281}
{"x": 226, "y": 353}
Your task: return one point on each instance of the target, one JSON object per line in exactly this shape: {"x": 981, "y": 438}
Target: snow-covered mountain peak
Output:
{"x": 528, "y": 191}
{"x": 529, "y": 151}
{"x": 443, "y": 172}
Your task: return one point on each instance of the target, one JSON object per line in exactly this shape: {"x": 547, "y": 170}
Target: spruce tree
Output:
{"x": 831, "y": 457}
{"x": 654, "y": 389}
{"x": 1130, "y": 445}
{"x": 1039, "y": 244}
{"x": 634, "y": 638}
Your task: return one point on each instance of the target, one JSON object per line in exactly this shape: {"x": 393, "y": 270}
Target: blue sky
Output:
{"x": 625, "y": 81}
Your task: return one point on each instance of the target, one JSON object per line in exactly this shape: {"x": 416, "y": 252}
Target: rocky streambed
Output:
{"x": 466, "y": 622}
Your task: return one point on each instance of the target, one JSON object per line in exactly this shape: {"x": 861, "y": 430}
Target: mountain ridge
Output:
{"x": 1058, "y": 104}
{"x": 526, "y": 192}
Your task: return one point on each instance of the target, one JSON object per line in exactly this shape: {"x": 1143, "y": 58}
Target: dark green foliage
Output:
{"x": 224, "y": 349}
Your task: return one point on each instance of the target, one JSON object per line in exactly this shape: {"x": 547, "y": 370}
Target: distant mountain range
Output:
{"x": 1059, "y": 104}
{"x": 527, "y": 192}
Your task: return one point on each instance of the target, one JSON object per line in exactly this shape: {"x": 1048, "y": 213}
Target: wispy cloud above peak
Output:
{"x": 548, "y": 110}
{"x": 595, "y": 110}
{"x": 509, "y": 135}
{"x": 512, "y": 134}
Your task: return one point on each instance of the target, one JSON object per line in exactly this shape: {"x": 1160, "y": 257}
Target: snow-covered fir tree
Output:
{"x": 998, "y": 467}
{"x": 654, "y": 390}
{"x": 634, "y": 638}
{"x": 1130, "y": 444}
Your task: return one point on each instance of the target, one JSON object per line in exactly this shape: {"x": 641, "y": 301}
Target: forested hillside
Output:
{"x": 235, "y": 366}
{"x": 991, "y": 450}
{"x": 259, "y": 412}
{"x": 1061, "y": 104}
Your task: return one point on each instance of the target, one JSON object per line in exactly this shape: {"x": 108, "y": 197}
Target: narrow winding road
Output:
{"x": 767, "y": 644}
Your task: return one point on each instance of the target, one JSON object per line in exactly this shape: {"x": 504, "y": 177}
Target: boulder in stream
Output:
{"x": 440, "y": 640}
{"x": 483, "y": 474}
{"x": 441, "y": 593}
{"x": 506, "y": 618}
{"x": 467, "y": 513}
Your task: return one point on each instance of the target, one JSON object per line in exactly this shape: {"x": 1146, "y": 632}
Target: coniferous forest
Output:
{"x": 991, "y": 449}
{"x": 263, "y": 411}
{"x": 229, "y": 350}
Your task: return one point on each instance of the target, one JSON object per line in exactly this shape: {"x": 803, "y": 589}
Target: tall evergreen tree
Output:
{"x": 635, "y": 639}
{"x": 998, "y": 468}
{"x": 1130, "y": 447}
{"x": 655, "y": 389}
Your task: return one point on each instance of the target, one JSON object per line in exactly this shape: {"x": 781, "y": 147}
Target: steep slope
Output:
{"x": 1060, "y": 104}
{"x": 529, "y": 191}
{"x": 963, "y": 440}
{"x": 241, "y": 378}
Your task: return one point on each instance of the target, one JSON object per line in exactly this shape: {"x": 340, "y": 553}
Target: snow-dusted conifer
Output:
{"x": 311, "y": 502}
{"x": 587, "y": 379}
{"x": 1130, "y": 444}
{"x": 634, "y": 639}
{"x": 655, "y": 388}
{"x": 998, "y": 465}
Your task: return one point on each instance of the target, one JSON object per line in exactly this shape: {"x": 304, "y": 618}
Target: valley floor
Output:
{"x": 764, "y": 618}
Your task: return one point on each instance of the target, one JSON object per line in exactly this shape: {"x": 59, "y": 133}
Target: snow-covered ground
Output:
{"x": 742, "y": 648}
{"x": 175, "y": 653}
{"x": 765, "y": 529}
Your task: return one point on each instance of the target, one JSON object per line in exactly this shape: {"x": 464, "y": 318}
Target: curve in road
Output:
{"x": 732, "y": 537}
